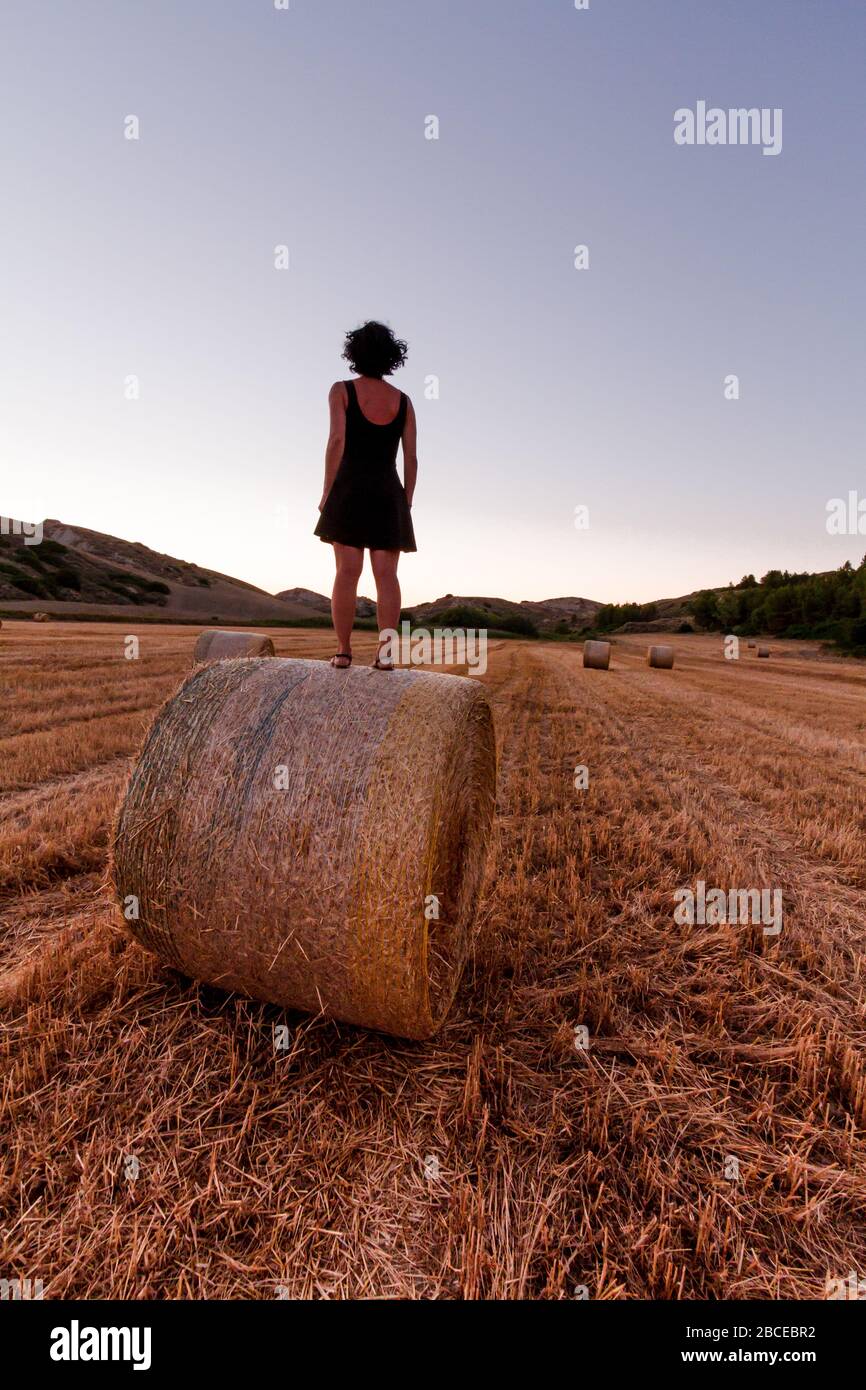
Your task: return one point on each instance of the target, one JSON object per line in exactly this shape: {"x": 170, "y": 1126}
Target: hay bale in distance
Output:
{"x": 40, "y": 617}
{"x": 751, "y": 645}
{"x": 596, "y": 655}
{"x": 763, "y": 651}
{"x": 660, "y": 656}
{"x": 313, "y": 838}
{"x": 215, "y": 645}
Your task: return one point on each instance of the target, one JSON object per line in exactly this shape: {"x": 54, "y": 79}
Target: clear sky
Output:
{"x": 558, "y": 387}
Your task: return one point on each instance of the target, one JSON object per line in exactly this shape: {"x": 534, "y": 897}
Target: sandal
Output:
{"x": 345, "y": 657}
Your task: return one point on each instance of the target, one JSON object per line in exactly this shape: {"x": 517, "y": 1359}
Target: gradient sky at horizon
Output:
{"x": 558, "y": 387}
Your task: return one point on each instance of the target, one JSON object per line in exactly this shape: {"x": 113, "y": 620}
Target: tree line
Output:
{"x": 830, "y": 607}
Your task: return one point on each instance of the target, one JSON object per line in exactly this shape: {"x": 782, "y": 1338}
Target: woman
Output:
{"x": 364, "y": 505}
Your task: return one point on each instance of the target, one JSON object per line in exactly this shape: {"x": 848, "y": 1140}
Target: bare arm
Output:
{"x": 410, "y": 452}
{"x": 336, "y": 437}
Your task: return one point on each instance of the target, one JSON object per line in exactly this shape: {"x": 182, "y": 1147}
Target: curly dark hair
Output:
{"x": 372, "y": 350}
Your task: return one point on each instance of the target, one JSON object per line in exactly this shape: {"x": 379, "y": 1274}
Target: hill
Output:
{"x": 85, "y": 573}
{"x": 460, "y": 609}
{"x": 827, "y": 606}
{"x": 320, "y": 605}
{"x": 77, "y": 572}
{"x": 543, "y": 614}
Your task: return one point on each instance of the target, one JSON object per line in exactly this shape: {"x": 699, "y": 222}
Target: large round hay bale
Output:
{"x": 596, "y": 655}
{"x": 313, "y": 837}
{"x": 660, "y": 656}
{"x": 40, "y": 617}
{"x": 215, "y": 645}
{"x": 763, "y": 651}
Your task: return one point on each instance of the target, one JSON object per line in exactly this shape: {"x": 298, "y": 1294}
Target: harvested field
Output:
{"x": 162, "y": 1140}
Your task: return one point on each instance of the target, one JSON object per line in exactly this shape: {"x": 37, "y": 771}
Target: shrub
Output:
{"x": 31, "y": 585}
{"x": 464, "y": 615}
{"x": 52, "y": 551}
{"x": 706, "y": 609}
{"x": 27, "y": 555}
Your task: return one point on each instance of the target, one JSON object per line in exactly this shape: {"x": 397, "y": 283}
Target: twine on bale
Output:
{"x": 661, "y": 656}
{"x": 312, "y": 837}
{"x": 596, "y": 655}
{"x": 216, "y": 645}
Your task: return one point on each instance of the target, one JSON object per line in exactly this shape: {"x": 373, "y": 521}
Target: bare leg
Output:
{"x": 388, "y": 598}
{"x": 350, "y": 562}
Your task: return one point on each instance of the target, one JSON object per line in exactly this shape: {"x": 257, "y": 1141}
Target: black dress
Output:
{"x": 367, "y": 505}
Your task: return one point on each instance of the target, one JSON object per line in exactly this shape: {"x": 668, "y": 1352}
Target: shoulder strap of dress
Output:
{"x": 404, "y": 406}
{"x": 350, "y": 391}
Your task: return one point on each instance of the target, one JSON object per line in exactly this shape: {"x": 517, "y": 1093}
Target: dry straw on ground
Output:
{"x": 596, "y": 655}
{"x": 303, "y": 1165}
{"x": 289, "y": 830}
{"x": 216, "y": 645}
{"x": 661, "y": 656}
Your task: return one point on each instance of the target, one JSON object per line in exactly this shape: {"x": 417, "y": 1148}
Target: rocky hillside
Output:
{"x": 319, "y": 605}
{"x": 79, "y": 572}
{"x": 87, "y": 573}
{"x": 544, "y": 614}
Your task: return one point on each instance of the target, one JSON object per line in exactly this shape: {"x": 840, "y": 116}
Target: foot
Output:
{"x": 341, "y": 660}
